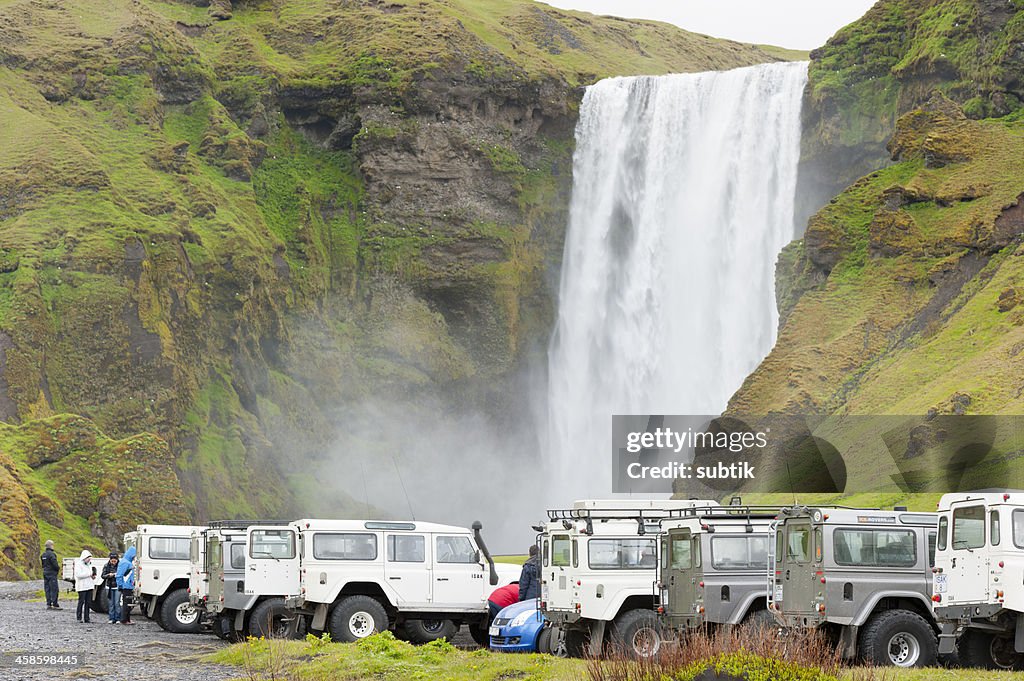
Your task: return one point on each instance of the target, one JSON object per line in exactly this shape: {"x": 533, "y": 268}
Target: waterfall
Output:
{"x": 683, "y": 193}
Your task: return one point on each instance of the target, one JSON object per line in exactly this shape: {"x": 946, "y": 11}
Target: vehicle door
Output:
{"x": 458, "y": 575}
{"x": 407, "y": 568}
{"x": 681, "y": 574}
{"x": 966, "y": 577}
{"x": 215, "y": 568}
{"x": 796, "y": 587}
{"x": 272, "y": 561}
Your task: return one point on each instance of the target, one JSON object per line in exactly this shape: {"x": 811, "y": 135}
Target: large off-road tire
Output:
{"x": 898, "y": 638}
{"x": 100, "y": 600}
{"x": 270, "y": 619}
{"x": 637, "y": 633}
{"x": 760, "y": 621}
{"x": 551, "y": 641}
{"x": 357, "y": 617}
{"x": 575, "y": 643}
{"x": 425, "y": 631}
{"x": 481, "y": 635}
{"x": 178, "y": 616}
{"x": 983, "y": 650}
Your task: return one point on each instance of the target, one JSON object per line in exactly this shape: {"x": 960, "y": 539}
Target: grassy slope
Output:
{"x": 380, "y": 657}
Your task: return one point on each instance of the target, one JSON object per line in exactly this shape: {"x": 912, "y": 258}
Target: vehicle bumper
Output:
{"x": 562, "y": 617}
{"x": 294, "y": 602}
{"x": 809, "y": 620}
{"x": 683, "y": 622}
{"x": 515, "y": 640}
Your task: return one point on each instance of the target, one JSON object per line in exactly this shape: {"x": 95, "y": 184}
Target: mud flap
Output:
{"x": 947, "y": 638}
{"x": 1018, "y": 635}
{"x": 240, "y": 621}
{"x": 596, "y": 644}
{"x": 848, "y": 642}
{"x": 319, "y": 617}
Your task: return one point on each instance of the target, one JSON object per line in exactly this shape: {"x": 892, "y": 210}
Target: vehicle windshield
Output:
{"x": 682, "y": 552}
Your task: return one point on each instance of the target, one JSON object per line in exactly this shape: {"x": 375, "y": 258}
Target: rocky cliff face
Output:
{"x": 888, "y": 63}
{"x": 232, "y": 224}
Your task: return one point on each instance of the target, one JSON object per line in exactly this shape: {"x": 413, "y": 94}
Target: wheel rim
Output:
{"x": 904, "y": 649}
{"x": 646, "y": 642}
{"x": 361, "y": 624}
{"x": 186, "y": 614}
{"x": 1002, "y": 653}
{"x": 433, "y": 626}
{"x": 558, "y": 647}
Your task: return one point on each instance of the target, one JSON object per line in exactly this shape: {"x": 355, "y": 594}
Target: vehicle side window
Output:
{"x": 739, "y": 552}
{"x": 779, "y": 545}
{"x": 622, "y": 554}
{"x": 560, "y": 550}
{"x": 575, "y": 553}
{"x": 931, "y": 548}
{"x": 1018, "y": 528}
{"x": 968, "y": 528}
{"x": 169, "y": 548}
{"x": 993, "y": 534}
{"x": 875, "y": 547}
{"x": 547, "y": 557}
{"x": 455, "y": 550}
{"x": 238, "y": 556}
{"x": 193, "y": 550}
{"x": 345, "y": 546}
{"x": 943, "y": 533}
{"x": 407, "y": 548}
{"x": 272, "y": 544}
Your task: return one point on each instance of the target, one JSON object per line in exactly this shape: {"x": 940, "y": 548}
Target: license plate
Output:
{"x": 778, "y": 593}
{"x": 941, "y": 583}
{"x": 495, "y": 631}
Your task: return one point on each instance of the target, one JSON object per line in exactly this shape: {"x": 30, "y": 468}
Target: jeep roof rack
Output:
{"x": 726, "y": 512}
{"x": 241, "y": 524}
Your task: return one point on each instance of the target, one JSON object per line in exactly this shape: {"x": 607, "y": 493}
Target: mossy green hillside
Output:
{"x": 903, "y": 296}
{"x": 887, "y": 63}
{"x": 63, "y": 479}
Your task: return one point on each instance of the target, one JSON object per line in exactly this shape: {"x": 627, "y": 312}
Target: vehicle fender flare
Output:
{"x": 615, "y": 605}
{"x": 389, "y": 593}
{"x": 169, "y": 586}
{"x": 869, "y": 607}
{"x": 743, "y": 609}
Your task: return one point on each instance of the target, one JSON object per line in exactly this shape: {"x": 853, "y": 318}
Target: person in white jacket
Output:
{"x": 85, "y": 579}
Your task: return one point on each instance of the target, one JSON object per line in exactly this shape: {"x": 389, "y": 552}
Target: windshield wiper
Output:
{"x": 265, "y": 553}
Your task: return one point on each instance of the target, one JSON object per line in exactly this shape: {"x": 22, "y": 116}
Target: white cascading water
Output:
{"x": 683, "y": 194}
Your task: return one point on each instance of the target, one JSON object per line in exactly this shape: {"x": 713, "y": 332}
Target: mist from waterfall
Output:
{"x": 683, "y": 196}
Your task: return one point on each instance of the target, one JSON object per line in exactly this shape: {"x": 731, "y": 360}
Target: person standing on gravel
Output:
{"x": 109, "y": 577}
{"x": 85, "y": 575}
{"x": 126, "y": 583}
{"x": 51, "y": 568}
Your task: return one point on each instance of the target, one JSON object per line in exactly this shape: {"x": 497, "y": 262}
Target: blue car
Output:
{"x": 517, "y": 627}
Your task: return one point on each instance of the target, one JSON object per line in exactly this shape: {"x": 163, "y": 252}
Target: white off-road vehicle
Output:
{"x": 978, "y": 582}
{"x": 162, "y": 565}
{"x": 354, "y": 577}
{"x": 599, "y": 574}
{"x": 712, "y": 567}
{"x": 217, "y": 585}
{"x": 862, "y": 575}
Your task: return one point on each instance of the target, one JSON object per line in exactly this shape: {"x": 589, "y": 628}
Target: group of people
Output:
{"x": 526, "y": 588}
{"x": 117, "y": 576}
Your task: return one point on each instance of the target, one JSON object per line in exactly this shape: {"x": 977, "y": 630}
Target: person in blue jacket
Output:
{"x": 529, "y": 579}
{"x": 126, "y": 583}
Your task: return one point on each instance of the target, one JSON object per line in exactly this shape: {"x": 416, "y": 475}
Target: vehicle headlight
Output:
{"x": 520, "y": 619}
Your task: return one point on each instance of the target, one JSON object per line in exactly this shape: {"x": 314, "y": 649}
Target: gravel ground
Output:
{"x": 140, "y": 652}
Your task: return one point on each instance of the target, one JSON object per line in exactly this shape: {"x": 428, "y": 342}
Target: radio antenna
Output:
{"x": 412, "y": 514}
{"x": 791, "y": 487}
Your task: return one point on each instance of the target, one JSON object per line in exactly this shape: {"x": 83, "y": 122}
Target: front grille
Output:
{"x": 505, "y": 640}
